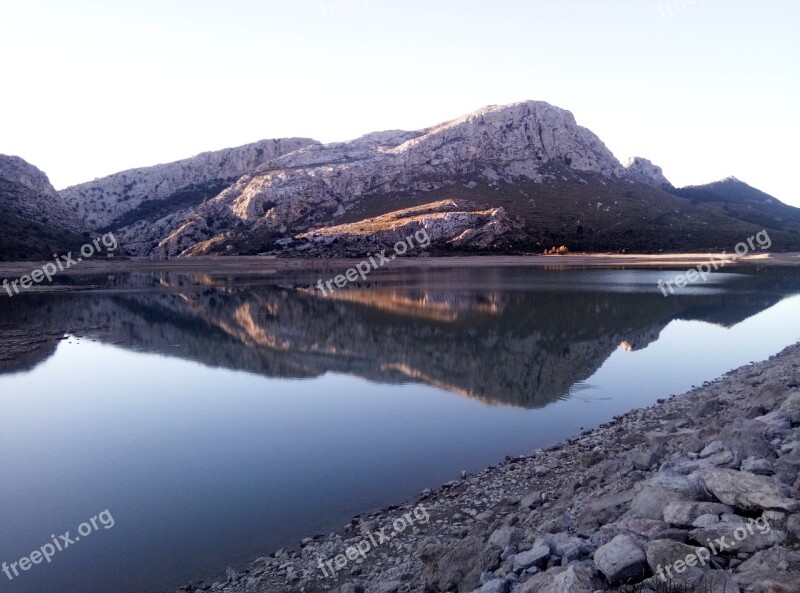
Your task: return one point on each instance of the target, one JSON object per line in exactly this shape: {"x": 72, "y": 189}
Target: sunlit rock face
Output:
{"x": 643, "y": 170}
{"x": 103, "y": 201}
{"x": 315, "y": 185}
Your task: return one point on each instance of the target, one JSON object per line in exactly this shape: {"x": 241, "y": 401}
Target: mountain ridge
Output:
{"x": 546, "y": 180}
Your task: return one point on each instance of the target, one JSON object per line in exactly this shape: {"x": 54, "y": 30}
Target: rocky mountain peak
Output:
{"x": 26, "y": 193}
{"x": 643, "y": 170}
{"x": 312, "y": 186}
{"x": 17, "y": 170}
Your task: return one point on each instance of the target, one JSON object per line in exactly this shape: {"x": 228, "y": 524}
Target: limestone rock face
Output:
{"x": 26, "y": 191}
{"x": 445, "y": 222}
{"x": 103, "y": 200}
{"x": 643, "y": 170}
{"x": 17, "y": 170}
{"x": 310, "y": 187}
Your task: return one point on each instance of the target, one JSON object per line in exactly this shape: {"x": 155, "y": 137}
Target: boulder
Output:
{"x": 575, "y": 578}
{"x": 494, "y": 586}
{"x": 568, "y": 547}
{"x": 456, "y": 565}
{"x": 684, "y": 513}
{"x": 505, "y": 536}
{"x": 647, "y": 459}
{"x": 744, "y": 490}
{"x": 660, "y": 490}
{"x": 664, "y": 554}
{"x": 621, "y": 560}
{"x": 732, "y": 538}
{"x": 536, "y": 556}
{"x": 770, "y": 559}
{"x": 758, "y": 466}
{"x": 790, "y": 409}
{"x": 532, "y": 501}
{"x": 640, "y": 529}
{"x": 708, "y": 581}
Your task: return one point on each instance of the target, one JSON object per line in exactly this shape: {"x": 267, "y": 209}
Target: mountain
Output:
{"x": 738, "y": 200}
{"x": 644, "y": 171}
{"x": 153, "y": 192}
{"x": 504, "y": 179}
{"x": 517, "y": 178}
{"x": 36, "y": 222}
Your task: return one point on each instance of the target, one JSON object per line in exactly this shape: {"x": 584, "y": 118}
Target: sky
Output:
{"x": 705, "y": 88}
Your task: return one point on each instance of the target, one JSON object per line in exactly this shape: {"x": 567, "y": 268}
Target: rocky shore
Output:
{"x": 698, "y": 493}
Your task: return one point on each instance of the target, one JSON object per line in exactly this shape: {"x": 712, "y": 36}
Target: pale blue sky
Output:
{"x": 91, "y": 87}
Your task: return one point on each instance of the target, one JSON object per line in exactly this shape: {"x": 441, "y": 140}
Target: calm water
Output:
{"x": 220, "y": 418}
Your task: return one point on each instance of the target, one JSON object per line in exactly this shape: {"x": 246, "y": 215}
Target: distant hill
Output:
{"x": 738, "y": 200}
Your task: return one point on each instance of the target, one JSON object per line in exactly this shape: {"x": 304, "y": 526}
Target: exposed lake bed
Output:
{"x": 263, "y": 374}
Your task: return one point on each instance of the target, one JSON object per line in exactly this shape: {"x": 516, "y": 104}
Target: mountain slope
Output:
{"x": 516, "y": 178}
{"x": 555, "y": 182}
{"x": 151, "y": 192}
{"x": 738, "y": 200}
{"x": 315, "y": 186}
{"x": 35, "y": 222}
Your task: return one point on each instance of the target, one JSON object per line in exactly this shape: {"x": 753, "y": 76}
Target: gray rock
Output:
{"x": 605, "y": 509}
{"x": 505, "y": 536}
{"x": 793, "y": 526}
{"x": 647, "y": 459}
{"x": 660, "y": 490}
{"x": 642, "y": 169}
{"x": 684, "y": 513}
{"x": 691, "y": 581}
{"x": 575, "y": 578}
{"x": 675, "y": 534}
{"x": 531, "y": 501}
{"x": 732, "y": 538}
{"x": 713, "y": 448}
{"x": 536, "y": 556}
{"x": 387, "y": 587}
{"x": 790, "y": 409}
{"x": 787, "y": 468}
{"x": 758, "y": 466}
{"x": 494, "y": 586}
{"x": 744, "y": 490}
{"x": 459, "y": 566}
{"x": 706, "y": 520}
{"x": 350, "y": 588}
{"x": 769, "y": 581}
{"x": 621, "y": 559}
{"x": 663, "y": 553}
{"x": 769, "y": 560}
{"x": 568, "y": 547}
{"x": 643, "y": 529}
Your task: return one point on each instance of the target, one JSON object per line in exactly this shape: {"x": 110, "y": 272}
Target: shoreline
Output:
{"x": 279, "y": 268}
{"x": 601, "y": 509}
{"x": 272, "y": 264}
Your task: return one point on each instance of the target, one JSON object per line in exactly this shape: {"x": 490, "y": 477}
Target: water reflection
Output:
{"x": 523, "y": 337}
